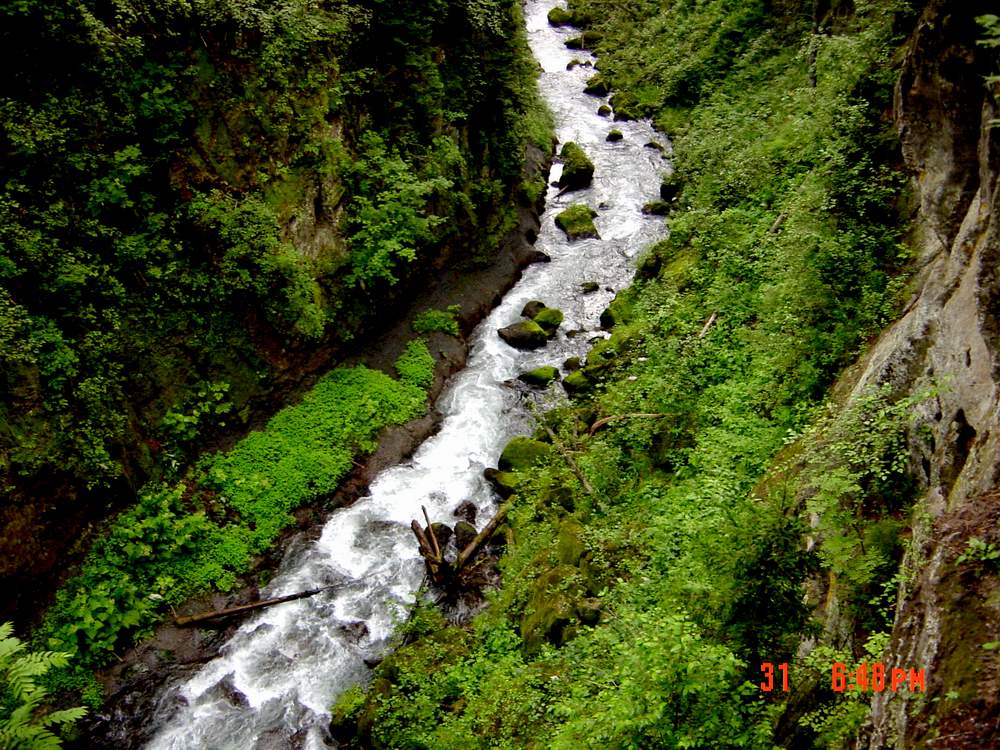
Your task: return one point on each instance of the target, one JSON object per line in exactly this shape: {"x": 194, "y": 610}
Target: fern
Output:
{"x": 25, "y": 727}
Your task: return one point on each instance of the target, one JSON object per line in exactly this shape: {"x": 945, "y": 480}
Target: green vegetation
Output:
{"x": 637, "y": 606}
{"x": 24, "y": 725}
{"x": 197, "y": 198}
{"x": 442, "y": 321}
{"x": 577, "y": 221}
{"x": 202, "y": 534}
{"x": 540, "y": 376}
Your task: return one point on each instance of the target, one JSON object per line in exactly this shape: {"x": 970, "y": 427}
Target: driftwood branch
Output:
{"x": 708, "y": 325}
{"x": 218, "y": 614}
{"x": 604, "y": 421}
{"x": 473, "y": 547}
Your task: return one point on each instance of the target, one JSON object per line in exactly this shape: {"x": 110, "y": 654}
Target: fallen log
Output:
{"x": 473, "y": 547}
{"x": 604, "y": 421}
{"x": 218, "y": 614}
{"x": 441, "y": 571}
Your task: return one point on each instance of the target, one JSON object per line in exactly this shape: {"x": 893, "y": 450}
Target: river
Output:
{"x": 275, "y": 680}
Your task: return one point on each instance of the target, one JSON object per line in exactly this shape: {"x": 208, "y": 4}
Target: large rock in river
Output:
{"x": 524, "y": 335}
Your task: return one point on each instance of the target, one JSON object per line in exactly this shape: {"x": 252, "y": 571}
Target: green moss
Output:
{"x": 522, "y": 453}
{"x": 597, "y": 86}
{"x": 560, "y": 17}
{"x": 656, "y": 208}
{"x": 577, "y": 222}
{"x": 540, "y": 376}
{"x": 549, "y": 320}
{"x": 578, "y": 170}
{"x": 614, "y": 136}
{"x": 577, "y": 382}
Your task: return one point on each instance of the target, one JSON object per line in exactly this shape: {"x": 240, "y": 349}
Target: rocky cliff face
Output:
{"x": 948, "y": 342}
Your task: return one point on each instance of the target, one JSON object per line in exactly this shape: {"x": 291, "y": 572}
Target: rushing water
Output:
{"x": 275, "y": 680}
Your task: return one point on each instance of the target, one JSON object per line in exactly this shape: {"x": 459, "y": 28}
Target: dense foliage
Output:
{"x": 24, "y": 725}
{"x": 637, "y": 616}
{"x": 196, "y": 197}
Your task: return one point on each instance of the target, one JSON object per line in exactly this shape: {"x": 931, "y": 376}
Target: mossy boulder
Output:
{"x": 604, "y": 110}
{"x": 597, "y": 86}
{"x": 560, "y": 17}
{"x": 522, "y": 453}
{"x": 549, "y": 320}
{"x": 577, "y": 222}
{"x": 588, "y": 611}
{"x": 442, "y": 532}
{"x": 558, "y": 496}
{"x": 656, "y": 208}
{"x": 531, "y": 309}
{"x": 552, "y": 608}
{"x": 619, "y": 311}
{"x": 578, "y": 170}
{"x": 614, "y": 136}
{"x": 465, "y": 532}
{"x": 656, "y": 146}
{"x": 577, "y": 382}
{"x": 572, "y": 364}
{"x": 504, "y": 483}
{"x": 589, "y": 287}
{"x": 575, "y": 63}
{"x": 586, "y": 40}
{"x": 524, "y": 335}
{"x": 540, "y": 376}
{"x": 570, "y": 545}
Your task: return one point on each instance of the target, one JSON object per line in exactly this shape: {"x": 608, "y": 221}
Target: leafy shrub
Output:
{"x": 442, "y": 321}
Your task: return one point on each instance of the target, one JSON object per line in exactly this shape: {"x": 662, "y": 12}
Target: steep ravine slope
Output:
{"x": 948, "y": 340}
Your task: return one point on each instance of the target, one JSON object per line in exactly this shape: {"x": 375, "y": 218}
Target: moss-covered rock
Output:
{"x": 575, "y": 63}
{"x": 570, "y": 545}
{"x": 552, "y": 608}
{"x": 586, "y": 40}
{"x": 522, "y": 453}
{"x": 604, "y": 110}
{"x": 614, "y": 136}
{"x": 524, "y": 335}
{"x": 578, "y": 170}
{"x": 549, "y": 320}
{"x": 532, "y": 308}
{"x": 505, "y": 483}
{"x": 589, "y": 287}
{"x": 577, "y": 382}
{"x": 619, "y": 311}
{"x": 540, "y": 376}
{"x": 560, "y": 17}
{"x": 465, "y": 532}
{"x": 577, "y": 222}
{"x": 442, "y": 532}
{"x": 656, "y": 208}
{"x": 572, "y": 364}
{"x": 597, "y": 86}
{"x": 656, "y": 146}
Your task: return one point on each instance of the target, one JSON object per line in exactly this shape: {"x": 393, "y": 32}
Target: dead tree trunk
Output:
{"x": 442, "y": 572}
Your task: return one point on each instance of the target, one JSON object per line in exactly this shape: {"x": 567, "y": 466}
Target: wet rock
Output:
{"x": 578, "y": 169}
{"x": 586, "y": 40}
{"x": 575, "y": 62}
{"x": 522, "y": 453}
{"x": 656, "y": 208}
{"x": 597, "y": 86}
{"x": 465, "y": 532}
{"x": 577, "y": 222}
{"x": 537, "y": 256}
{"x": 504, "y": 483}
{"x": 355, "y": 632}
{"x": 604, "y": 110}
{"x": 589, "y": 287}
{"x": 466, "y": 510}
{"x": 572, "y": 364}
{"x": 532, "y": 308}
{"x": 614, "y": 136}
{"x": 656, "y": 146}
{"x": 540, "y": 376}
{"x": 670, "y": 187}
{"x": 549, "y": 320}
{"x": 442, "y": 532}
{"x": 524, "y": 335}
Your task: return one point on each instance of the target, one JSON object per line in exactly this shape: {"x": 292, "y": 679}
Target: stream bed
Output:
{"x": 274, "y": 681}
